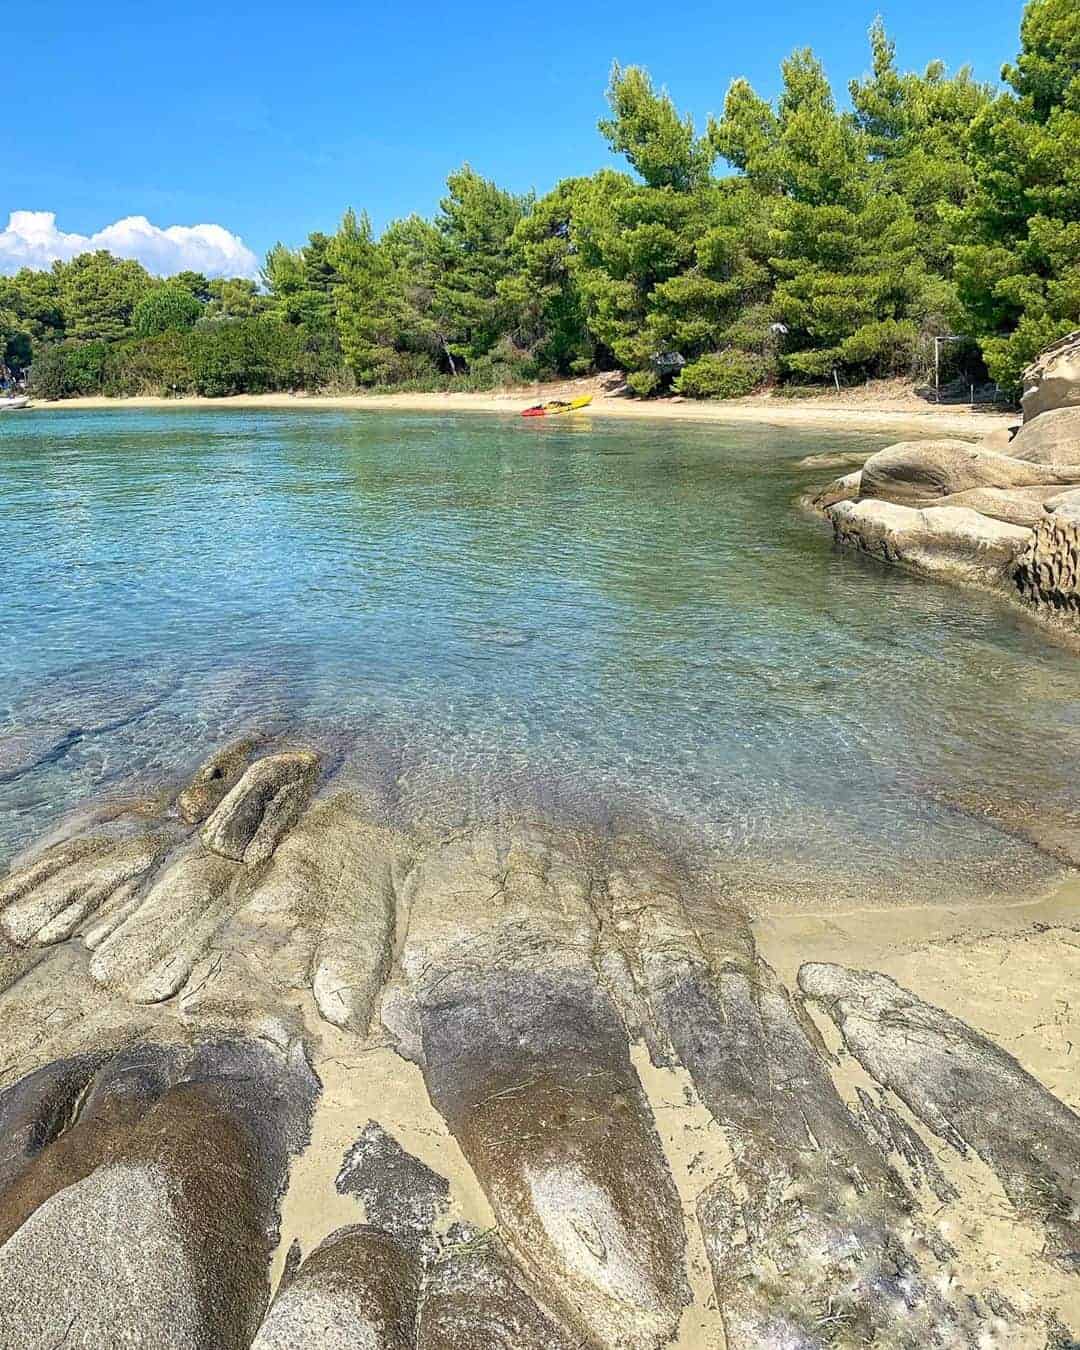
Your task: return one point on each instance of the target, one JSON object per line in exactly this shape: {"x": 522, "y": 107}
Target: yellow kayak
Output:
{"x": 557, "y": 406}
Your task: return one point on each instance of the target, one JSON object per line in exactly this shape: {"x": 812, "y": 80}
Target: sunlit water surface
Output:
{"x": 626, "y": 621}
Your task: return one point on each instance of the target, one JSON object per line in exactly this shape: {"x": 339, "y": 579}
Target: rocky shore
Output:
{"x": 1002, "y": 515}
{"x": 275, "y": 1073}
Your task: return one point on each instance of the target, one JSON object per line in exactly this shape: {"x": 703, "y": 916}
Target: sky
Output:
{"x": 198, "y": 134}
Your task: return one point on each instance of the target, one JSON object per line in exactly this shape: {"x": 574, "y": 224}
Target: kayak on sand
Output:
{"x": 557, "y": 406}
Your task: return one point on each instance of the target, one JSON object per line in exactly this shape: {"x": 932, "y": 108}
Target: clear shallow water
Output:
{"x": 626, "y": 619}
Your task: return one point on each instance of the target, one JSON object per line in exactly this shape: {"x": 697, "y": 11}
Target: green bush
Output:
{"x": 729, "y": 374}
{"x": 643, "y": 382}
{"x": 158, "y": 365}
{"x": 69, "y": 369}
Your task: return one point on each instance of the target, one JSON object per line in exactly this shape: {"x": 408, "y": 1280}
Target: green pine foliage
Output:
{"x": 788, "y": 241}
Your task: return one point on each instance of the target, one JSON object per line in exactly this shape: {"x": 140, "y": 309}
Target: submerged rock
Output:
{"x": 24, "y": 747}
{"x": 213, "y": 779}
{"x": 256, "y": 812}
{"x": 968, "y": 1090}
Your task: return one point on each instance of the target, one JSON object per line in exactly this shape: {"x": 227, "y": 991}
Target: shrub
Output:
{"x": 729, "y": 374}
{"x": 158, "y": 365}
{"x": 643, "y": 382}
{"x": 69, "y": 369}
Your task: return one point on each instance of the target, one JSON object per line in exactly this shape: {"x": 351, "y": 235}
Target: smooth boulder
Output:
{"x": 920, "y": 473}
{"x": 1053, "y": 438}
{"x": 1053, "y": 379}
{"x": 213, "y": 779}
{"x": 358, "y": 1290}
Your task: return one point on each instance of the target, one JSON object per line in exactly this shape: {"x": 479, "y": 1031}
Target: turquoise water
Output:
{"x": 627, "y": 622}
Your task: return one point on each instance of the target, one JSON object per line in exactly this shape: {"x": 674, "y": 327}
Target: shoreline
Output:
{"x": 884, "y": 415}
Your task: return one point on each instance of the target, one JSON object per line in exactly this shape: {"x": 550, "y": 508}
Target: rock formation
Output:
{"x": 1000, "y": 516}
{"x": 1053, "y": 379}
{"x": 174, "y": 999}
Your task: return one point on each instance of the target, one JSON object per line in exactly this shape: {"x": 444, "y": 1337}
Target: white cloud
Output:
{"x": 31, "y": 239}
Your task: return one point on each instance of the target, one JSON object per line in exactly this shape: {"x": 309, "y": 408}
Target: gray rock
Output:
{"x": 150, "y": 955}
{"x": 103, "y": 1262}
{"x": 475, "y": 1299}
{"x": 358, "y": 1290}
{"x": 1024, "y": 506}
{"x": 842, "y": 489}
{"x": 1053, "y": 438}
{"x": 814, "y": 1218}
{"x": 254, "y": 815}
{"x": 1053, "y": 378}
{"x": 401, "y": 1195}
{"x": 527, "y": 1060}
{"x": 950, "y": 542}
{"x": 321, "y": 914}
{"x": 968, "y": 1090}
{"x": 48, "y": 900}
{"x": 140, "y": 1200}
{"x": 1047, "y": 571}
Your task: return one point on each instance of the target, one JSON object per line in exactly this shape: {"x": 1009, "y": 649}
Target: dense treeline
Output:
{"x": 788, "y": 241}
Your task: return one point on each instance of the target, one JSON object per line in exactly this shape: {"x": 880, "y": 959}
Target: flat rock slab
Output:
{"x": 401, "y": 1195}
{"x": 969, "y": 1091}
{"x": 46, "y": 901}
{"x": 951, "y": 542}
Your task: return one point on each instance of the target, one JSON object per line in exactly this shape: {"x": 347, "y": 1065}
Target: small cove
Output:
{"x": 613, "y": 622}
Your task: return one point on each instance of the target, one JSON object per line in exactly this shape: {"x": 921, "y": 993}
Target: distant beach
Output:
{"x": 900, "y": 415}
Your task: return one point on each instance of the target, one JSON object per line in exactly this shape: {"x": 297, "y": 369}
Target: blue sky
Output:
{"x": 269, "y": 119}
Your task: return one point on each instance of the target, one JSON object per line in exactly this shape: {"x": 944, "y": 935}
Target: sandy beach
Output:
{"x": 857, "y": 410}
